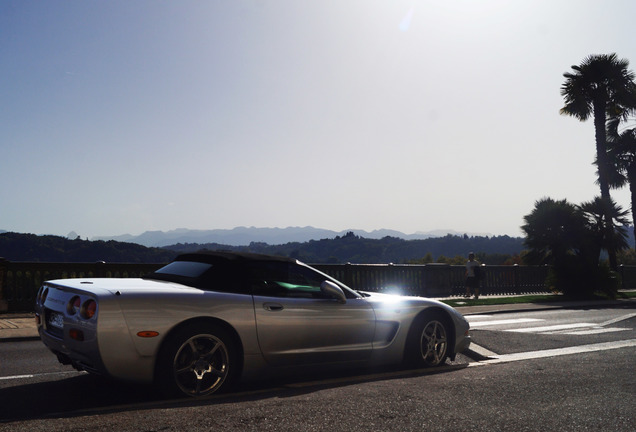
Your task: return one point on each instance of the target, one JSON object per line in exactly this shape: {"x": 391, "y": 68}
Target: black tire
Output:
{"x": 427, "y": 344}
{"x": 195, "y": 361}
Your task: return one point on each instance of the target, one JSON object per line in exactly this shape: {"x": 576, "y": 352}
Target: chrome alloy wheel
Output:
{"x": 201, "y": 365}
{"x": 433, "y": 343}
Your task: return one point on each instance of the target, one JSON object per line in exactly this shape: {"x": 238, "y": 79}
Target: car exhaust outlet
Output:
{"x": 62, "y": 358}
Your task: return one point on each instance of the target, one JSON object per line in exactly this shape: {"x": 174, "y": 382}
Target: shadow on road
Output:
{"x": 89, "y": 395}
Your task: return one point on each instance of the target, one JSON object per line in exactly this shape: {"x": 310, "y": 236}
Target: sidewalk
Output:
{"x": 17, "y": 327}
{"x": 21, "y": 326}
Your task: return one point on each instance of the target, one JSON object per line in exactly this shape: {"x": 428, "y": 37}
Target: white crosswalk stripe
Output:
{"x": 579, "y": 329}
{"x": 597, "y": 330}
{"x": 504, "y": 358}
{"x": 477, "y": 324}
{"x": 551, "y": 329}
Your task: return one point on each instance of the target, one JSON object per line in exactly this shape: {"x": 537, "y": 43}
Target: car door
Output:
{"x": 297, "y": 324}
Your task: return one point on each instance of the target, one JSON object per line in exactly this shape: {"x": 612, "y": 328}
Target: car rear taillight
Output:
{"x": 45, "y": 293}
{"x": 89, "y": 309}
{"x": 74, "y": 305}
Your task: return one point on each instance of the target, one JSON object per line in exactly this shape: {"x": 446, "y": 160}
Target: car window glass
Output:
{"x": 189, "y": 269}
{"x": 224, "y": 278}
{"x": 283, "y": 279}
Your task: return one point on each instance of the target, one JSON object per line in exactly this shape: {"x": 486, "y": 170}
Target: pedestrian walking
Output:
{"x": 472, "y": 276}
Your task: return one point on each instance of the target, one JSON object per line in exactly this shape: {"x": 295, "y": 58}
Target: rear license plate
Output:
{"x": 56, "y": 320}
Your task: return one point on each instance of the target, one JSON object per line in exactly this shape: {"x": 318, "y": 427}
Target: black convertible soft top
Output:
{"x": 200, "y": 268}
{"x": 212, "y": 257}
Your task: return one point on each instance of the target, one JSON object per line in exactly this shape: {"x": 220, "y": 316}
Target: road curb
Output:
{"x": 19, "y": 339}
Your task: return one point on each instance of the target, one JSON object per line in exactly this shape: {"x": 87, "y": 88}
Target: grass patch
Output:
{"x": 485, "y": 301}
{"x": 626, "y": 294}
{"x": 543, "y": 298}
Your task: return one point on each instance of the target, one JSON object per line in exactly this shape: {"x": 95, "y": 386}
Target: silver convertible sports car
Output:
{"x": 200, "y": 323}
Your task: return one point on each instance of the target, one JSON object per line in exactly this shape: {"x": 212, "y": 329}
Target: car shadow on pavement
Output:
{"x": 304, "y": 383}
{"x": 84, "y": 394}
{"x": 76, "y": 395}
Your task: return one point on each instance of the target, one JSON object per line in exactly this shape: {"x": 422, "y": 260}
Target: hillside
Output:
{"x": 355, "y": 249}
{"x": 48, "y": 248}
{"x": 341, "y": 249}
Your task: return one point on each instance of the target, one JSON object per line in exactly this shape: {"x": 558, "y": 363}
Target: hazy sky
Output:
{"x": 125, "y": 116}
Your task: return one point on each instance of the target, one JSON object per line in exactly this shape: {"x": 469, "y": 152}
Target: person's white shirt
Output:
{"x": 470, "y": 268}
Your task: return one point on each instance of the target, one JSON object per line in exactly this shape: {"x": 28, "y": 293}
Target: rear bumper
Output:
{"x": 82, "y": 355}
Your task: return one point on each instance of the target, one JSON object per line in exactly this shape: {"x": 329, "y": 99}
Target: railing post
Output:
{"x": 348, "y": 275}
{"x": 422, "y": 288}
{"x": 100, "y": 269}
{"x": 4, "y": 305}
{"x": 424, "y": 281}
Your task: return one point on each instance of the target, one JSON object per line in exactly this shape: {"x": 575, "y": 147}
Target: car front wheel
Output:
{"x": 196, "y": 361}
{"x": 428, "y": 342}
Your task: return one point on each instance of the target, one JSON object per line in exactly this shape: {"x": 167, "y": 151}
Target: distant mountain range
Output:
{"x": 243, "y": 236}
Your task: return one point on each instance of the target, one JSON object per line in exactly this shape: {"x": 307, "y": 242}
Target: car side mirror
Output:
{"x": 332, "y": 290}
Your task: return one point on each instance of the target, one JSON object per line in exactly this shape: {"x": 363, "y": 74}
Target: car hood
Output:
{"x": 381, "y": 300}
{"x": 397, "y": 298}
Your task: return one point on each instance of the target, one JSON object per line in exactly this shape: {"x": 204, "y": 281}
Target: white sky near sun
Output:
{"x": 125, "y": 116}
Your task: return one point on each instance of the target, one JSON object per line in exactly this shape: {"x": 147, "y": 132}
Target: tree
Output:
{"x": 553, "y": 230}
{"x": 570, "y": 238}
{"x": 622, "y": 154}
{"x": 596, "y": 239}
{"x": 603, "y": 87}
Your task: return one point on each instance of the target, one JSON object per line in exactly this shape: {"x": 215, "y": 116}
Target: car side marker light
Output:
{"x": 148, "y": 334}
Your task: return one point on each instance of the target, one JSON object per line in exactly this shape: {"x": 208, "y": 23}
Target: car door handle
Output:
{"x": 273, "y": 306}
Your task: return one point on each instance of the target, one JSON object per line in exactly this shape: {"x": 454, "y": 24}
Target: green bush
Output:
{"x": 576, "y": 280}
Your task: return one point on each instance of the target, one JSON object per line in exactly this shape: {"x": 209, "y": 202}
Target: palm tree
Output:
{"x": 601, "y": 86}
{"x": 570, "y": 239}
{"x": 554, "y": 230}
{"x": 621, "y": 148}
{"x": 593, "y": 211}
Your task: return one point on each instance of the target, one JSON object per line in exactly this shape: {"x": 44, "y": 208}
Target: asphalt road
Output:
{"x": 565, "y": 370}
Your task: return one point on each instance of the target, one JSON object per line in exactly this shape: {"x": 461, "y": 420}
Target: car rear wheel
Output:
{"x": 428, "y": 341}
{"x": 196, "y": 361}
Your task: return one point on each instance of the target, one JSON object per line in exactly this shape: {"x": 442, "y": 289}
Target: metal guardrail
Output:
{"x": 438, "y": 280}
{"x": 20, "y": 281}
